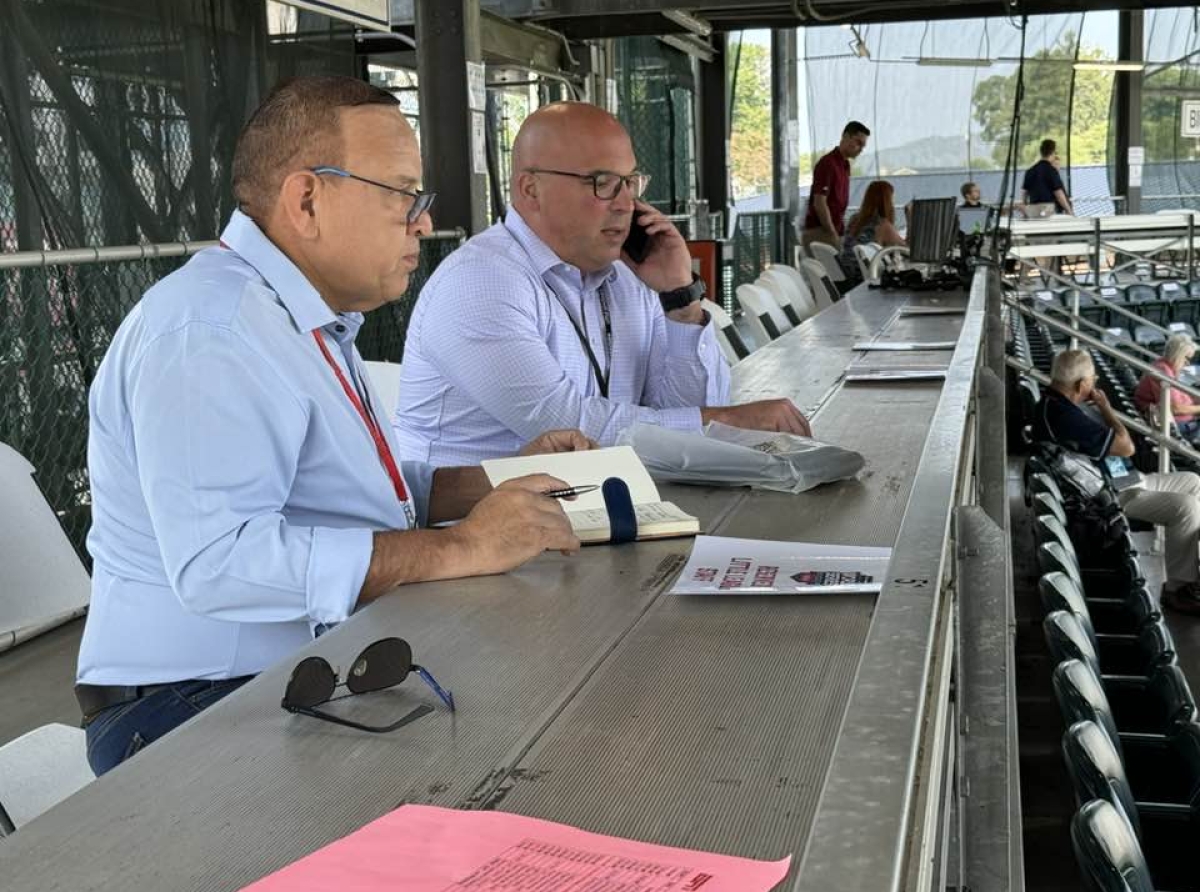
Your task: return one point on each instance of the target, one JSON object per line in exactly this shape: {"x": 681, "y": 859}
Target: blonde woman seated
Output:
{"x": 874, "y": 222}
{"x": 1176, "y": 354}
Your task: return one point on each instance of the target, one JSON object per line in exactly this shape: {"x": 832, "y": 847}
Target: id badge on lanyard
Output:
{"x": 377, "y": 436}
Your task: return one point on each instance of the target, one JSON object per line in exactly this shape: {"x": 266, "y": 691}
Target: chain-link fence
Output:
{"x": 59, "y": 319}
{"x": 760, "y": 238}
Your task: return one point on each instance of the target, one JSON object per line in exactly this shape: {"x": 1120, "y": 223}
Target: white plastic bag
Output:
{"x": 730, "y": 456}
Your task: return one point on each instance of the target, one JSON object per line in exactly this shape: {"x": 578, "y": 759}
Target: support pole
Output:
{"x": 785, "y": 122}
{"x": 714, "y": 131}
{"x": 452, "y": 132}
{"x": 1129, "y": 105}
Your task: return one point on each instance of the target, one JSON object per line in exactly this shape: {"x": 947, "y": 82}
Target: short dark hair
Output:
{"x": 296, "y": 126}
{"x": 1048, "y": 148}
{"x": 967, "y": 187}
{"x": 854, "y": 128}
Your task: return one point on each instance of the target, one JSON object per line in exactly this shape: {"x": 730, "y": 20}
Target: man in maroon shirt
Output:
{"x": 825, "y": 220}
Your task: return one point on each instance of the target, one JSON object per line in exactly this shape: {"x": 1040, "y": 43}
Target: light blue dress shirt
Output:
{"x": 491, "y": 358}
{"x": 235, "y": 488}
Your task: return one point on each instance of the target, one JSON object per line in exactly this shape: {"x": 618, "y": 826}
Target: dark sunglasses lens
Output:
{"x": 311, "y": 684}
{"x": 381, "y": 665}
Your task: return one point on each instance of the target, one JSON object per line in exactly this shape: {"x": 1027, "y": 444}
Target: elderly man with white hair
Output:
{"x": 1177, "y": 353}
{"x": 1172, "y": 500}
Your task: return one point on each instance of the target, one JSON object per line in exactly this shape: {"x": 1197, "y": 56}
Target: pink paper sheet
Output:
{"x": 420, "y": 848}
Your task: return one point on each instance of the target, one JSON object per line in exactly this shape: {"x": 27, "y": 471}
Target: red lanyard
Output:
{"x": 381, "y": 444}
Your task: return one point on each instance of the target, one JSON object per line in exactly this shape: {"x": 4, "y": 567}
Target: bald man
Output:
{"x": 544, "y": 321}
{"x": 245, "y": 487}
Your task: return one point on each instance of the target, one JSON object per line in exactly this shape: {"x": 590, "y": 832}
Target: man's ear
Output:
{"x": 527, "y": 188}
{"x": 299, "y": 201}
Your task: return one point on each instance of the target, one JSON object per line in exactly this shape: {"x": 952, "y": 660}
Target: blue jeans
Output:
{"x": 120, "y": 731}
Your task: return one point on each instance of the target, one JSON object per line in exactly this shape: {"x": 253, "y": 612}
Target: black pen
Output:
{"x": 570, "y": 492}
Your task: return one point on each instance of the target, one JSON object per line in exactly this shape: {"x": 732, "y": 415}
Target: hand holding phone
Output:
{"x": 637, "y": 243}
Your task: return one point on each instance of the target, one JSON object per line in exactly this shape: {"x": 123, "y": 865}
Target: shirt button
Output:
{"x": 340, "y": 329}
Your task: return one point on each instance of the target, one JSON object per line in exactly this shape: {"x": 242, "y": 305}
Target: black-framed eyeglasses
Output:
{"x": 606, "y": 185}
{"x": 384, "y": 664}
{"x": 422, "y": 201}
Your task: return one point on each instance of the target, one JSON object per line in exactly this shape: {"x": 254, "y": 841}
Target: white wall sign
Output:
{"x": 373, "y": 14}
{"x": 1135, "y": 176}
{"x": 476, "y": 87}
{"x": 1189, "y": 118}
{"x": 1137, "y": 155}
{"x": 478, "y": 143}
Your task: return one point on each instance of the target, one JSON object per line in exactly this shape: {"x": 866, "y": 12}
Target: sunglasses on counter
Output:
{"x": 384, "y": 664}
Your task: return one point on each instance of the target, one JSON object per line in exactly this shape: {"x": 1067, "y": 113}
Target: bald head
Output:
{"x": 558, "y": 136}
{"x": 557, "y": 151}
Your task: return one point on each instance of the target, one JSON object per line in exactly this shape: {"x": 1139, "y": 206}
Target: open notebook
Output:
{"x": 656, "y": 519}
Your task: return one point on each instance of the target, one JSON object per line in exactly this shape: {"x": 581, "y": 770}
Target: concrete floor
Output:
{"x": 37, "y": 678}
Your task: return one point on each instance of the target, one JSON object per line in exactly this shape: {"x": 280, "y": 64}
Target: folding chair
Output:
{"x": 827, "y": 255}
{"x": 733, "y": 348}
{"x": 766, "y": 319}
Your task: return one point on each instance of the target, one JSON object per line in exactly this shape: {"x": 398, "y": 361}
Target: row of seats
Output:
{"x": 1172, "y": 305}
{"x": 1132, "y": 747}
{"x": 781, "y": 298}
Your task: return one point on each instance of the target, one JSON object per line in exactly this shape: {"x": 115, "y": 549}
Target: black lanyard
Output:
{"x": 602, "y": 379}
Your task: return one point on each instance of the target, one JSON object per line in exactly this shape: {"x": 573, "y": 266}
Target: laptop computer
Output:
{"x": 971, "y": 218}
{"x": 1040, "y": 210}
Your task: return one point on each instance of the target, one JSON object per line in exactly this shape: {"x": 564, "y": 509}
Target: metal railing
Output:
{"x": 1161, "y": 436}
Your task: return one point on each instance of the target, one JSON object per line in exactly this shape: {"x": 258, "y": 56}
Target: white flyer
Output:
{"x": 725, "y": 566}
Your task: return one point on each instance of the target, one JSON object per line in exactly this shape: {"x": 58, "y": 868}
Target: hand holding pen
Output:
{"x": 571, "y": 492}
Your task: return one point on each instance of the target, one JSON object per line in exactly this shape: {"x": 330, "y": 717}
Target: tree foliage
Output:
{"x": 1046, "y": 111}
{"x": 750, "y": 136}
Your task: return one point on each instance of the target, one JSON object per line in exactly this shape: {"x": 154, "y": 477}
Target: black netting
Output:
{"x": 657, "y": 101}
{"x": 117, "y": 126}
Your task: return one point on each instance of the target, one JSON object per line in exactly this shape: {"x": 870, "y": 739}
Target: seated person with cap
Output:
{"x": 245, "y": 485}
{"x": 1076, "y": 415}
{"x": 542, "y": 322}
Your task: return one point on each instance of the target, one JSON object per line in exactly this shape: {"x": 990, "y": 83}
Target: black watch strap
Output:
{"x": 681, "y": 297}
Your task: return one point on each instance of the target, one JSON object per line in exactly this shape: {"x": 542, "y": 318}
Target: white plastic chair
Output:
{"x": 823, "y": 290}
{"x": 864, "y": 254}
{"x": 385, "y": 378}
{"x": 733, "y": 348}
{"x": 766, "y": 319}
{"x": 40, "y": 769}
{"x": 791, "y": 294}
{"x": 42, "y": 581}
{"x": 828, "y": 257}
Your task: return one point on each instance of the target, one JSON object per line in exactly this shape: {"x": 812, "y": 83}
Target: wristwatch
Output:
{"x": 682, "y": 297}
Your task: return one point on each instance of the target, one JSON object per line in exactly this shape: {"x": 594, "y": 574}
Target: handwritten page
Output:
{"x": 421, "y": 848}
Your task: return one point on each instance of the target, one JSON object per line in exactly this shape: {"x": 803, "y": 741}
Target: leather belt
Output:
{"x": 95, "y": 698}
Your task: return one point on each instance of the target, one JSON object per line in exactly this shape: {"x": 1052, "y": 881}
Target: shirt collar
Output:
{"x": 543, "y": 257}
{"x": 302, "y": 301}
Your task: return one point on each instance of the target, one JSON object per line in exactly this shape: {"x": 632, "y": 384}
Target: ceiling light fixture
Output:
{"x": 1110, "y": 66}
{"x": 953, "y": 62}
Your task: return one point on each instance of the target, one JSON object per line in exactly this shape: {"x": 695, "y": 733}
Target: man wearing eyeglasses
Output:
{"x": 544, "y": 321}
{"x": 246, "y": 486}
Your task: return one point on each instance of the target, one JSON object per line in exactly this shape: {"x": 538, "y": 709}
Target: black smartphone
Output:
{"x": 637, "y": 243}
